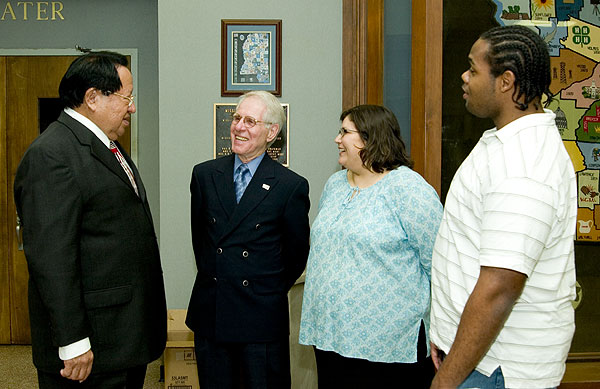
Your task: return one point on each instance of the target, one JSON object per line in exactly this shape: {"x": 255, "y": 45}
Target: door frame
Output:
{"x": 426, "y": 90}
{"x": 5, "y": 336}
{"x": 362, "y": 73}
{"x": 6, "y": 243}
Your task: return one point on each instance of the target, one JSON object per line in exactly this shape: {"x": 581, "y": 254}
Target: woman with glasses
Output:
{"x": 367, "y": 290}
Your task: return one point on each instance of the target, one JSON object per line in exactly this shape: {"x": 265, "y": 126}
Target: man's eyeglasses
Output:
{"x": 248, "y": 121}
{"x": 130, "y": 98}
{"x": 343, "y": 131}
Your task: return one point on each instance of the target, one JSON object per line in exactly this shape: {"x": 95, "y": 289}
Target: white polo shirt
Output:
{"x": 512, "y": 204}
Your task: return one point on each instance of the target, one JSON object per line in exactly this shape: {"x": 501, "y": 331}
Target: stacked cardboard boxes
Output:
{"x": 180, "y": 359}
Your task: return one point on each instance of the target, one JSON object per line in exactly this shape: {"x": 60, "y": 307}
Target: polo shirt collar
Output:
{"x": 516, "y": 126}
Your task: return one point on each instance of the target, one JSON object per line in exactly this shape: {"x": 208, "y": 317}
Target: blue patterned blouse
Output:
{"x": 369, "y": 267}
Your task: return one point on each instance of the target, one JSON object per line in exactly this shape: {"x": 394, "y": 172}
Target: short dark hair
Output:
{"x": 523, "y": 52}
{"x": 91, "y": 70}
{"x": 379, "y": 129}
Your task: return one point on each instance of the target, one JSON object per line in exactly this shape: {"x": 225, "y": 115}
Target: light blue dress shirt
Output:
{"x": 368, "y": 276}
{"x": 252, "y": 165}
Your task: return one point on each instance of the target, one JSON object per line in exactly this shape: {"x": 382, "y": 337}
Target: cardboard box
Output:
{"x": 180, "y": 358}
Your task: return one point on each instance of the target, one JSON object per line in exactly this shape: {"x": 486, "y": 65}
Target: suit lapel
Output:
{"x": 262, "y": 183}
{"x": 222, "y": 178}
{"x": 97, "y": 149}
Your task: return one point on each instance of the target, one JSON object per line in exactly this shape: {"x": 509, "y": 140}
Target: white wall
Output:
{"x": 189, "y": 85}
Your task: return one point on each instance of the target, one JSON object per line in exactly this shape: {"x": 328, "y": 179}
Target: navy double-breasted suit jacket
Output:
{"x": 249, "y": 254}
{"x": 91, "y": 250}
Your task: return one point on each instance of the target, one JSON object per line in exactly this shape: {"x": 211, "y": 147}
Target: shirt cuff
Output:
{"x": 74, "y": 350}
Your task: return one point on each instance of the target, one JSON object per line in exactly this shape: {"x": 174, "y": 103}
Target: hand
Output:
{"x": 436, "y": 356}
{"x": 78, "y": 368}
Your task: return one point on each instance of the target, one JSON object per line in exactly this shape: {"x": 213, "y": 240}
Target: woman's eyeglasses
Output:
{"x": 343, "y": 131}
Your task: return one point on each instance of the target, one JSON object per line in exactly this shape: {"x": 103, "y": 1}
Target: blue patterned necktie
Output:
{"x": 242, "y": 178}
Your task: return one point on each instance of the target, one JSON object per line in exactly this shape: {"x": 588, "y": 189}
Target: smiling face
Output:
{"x": 349, "y": 145}
{"x": 249, "y": 143}
{"x": 479, "y": 85}
{"x": 113, "y": 113}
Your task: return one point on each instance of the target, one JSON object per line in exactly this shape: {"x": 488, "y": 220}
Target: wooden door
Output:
{"x": 362, "y": 73}
{"x": 28, "y": 103}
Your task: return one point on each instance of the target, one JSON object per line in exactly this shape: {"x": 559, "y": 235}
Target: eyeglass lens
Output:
{"x": 249, "y": 121}
{"x": 128, "y": 98}
{"x": 343, "y": 131}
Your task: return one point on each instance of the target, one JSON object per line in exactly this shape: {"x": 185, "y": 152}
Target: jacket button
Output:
{"x": 257, "y": 226}
{"x": 245, "y": 254}
{"x": 215, "y": 278}
{"x": 219, "y": 251}
{"x": 245, "y": 283}
{"x": 213, "y": 221}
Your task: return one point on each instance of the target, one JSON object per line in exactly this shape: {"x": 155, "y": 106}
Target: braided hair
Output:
{"x": 523, "y": 52}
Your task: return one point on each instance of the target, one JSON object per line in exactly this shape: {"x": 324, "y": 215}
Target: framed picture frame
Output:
{"x": 279, "y": 150}
{"x": 250, "y": 56}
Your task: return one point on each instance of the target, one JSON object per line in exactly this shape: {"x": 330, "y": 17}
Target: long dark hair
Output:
{"x": 379, "y": 129}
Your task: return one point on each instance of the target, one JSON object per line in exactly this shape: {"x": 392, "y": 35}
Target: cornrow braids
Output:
{"x": 523, "y": 52}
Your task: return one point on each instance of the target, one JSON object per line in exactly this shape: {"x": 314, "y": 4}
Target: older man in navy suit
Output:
{"x": 250, "y": 235}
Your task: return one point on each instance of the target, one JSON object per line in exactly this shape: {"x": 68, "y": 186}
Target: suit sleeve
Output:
{"x": 196, "y": 213}
{"x": 50, "y": 206}
{"x": 296, "y": 232}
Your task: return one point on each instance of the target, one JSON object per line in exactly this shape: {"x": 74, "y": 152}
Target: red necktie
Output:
{"x": 124, "y": 165}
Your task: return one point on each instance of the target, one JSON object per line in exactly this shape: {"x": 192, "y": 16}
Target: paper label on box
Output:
{"x": 188, "y": 355}
{"x": 185, "y": 355}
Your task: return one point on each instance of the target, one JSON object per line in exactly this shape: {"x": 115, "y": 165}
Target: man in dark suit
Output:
{"x": 96, "y": 294}
{"x": 251, "y": 244}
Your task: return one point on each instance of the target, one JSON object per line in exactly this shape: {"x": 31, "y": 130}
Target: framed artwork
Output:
{"x": 278, "y": 150}
{"x": 250, "y": 56}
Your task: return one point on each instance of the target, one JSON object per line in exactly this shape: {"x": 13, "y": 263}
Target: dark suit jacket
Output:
{"x": 91, "y": 250}
{"x": 249, "y": 254}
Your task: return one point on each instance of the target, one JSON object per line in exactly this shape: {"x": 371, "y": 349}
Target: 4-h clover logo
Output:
{"x": 581, "y": 35}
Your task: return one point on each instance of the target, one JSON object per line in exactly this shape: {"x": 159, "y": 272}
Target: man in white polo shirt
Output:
{"x": 503, "y": 274}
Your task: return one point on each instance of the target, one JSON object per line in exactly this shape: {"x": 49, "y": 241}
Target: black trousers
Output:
{"x": 336, "y": 371}
{"x": 243, "y": 365}
{"x": 123, "y": 379}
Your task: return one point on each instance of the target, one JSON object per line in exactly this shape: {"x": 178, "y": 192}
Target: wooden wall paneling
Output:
{"x": 21, "y": 127}
{"x": 375, "y": 51}
{"x": 362, "y": 73}
{"x": 426, "y": 90}
{"x": 417, "y": 94}
{"x": 362, "y": 52}
{"x": 354, "y": 58}
{"x": 4, "y": 266}
{"x": 582, "y": 373}
{"x": 29, "y": 78}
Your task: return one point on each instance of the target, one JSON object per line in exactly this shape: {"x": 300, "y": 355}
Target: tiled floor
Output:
{"x": 17, "y": 370}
